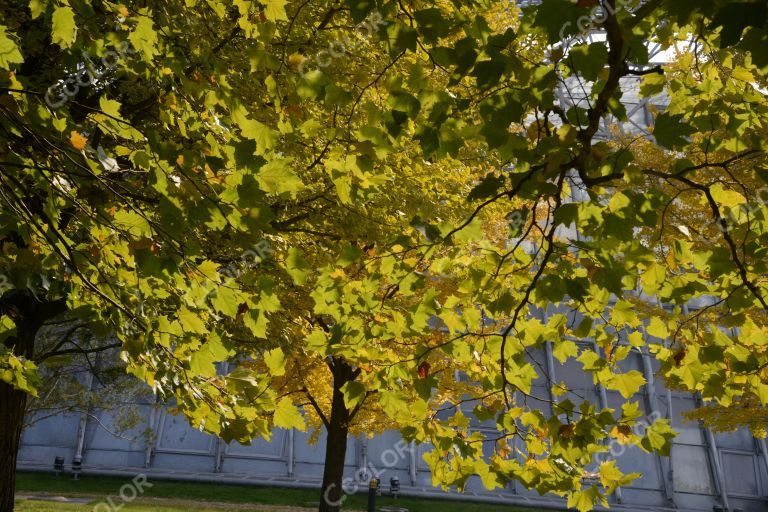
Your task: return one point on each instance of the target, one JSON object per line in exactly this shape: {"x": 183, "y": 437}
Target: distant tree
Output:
{"x": 748, "y": 411}
{"x": 79, "y": 374}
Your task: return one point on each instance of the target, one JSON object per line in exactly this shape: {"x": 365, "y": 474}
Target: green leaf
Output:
{"x": 288, "y": 415}
{"x": 471, "y": 232}
{"x": 653, "y": 277}
{"x": 110, "y": 107}
{"x": 243, "y": 377}
{"x": 276, "y": 177}
{"x": 354, "y": 393}
{"x": 589, "y": 60}
{"x": 564, "y": 349}
{"x": 432, "y": 24}
{"x": 296, "y": 266}
{"x": 64, "y": 27}
{"x": 144, "y": 37}
{"x": 658, "y": 437}
{"x": 584, "y": 501}
{"x": 626, "y": 383}
{"x": 60, "y": 123}
{"x": 393, "y": 403}
{"x": 404, "y": 102}
{"x": 132, "y": 222}
{"x": 18, "y": 372}
{"x": 558, "y": 18}
{"x": 38, "y": 7}
{"x": 9, "y": 52}
{"x": 265, "y": 137}
{"x": 360, "y": 9}
{"x": 726, "y": 197}
{"x": 735, "y": 17}
{"x": 591, "y": 361}
{"x": 312, "y": 85}
{"x": 584, "y": 328}
{"x": 275, "y": 361}
{"x": 226, "y": 300}
{"x": 658, "y": 328}
{"x": 611, "y": 477}
{"x": 212, "y": 351}
{"x": 191, "y": 321}
{"x": 652, "y": 84}
{"x": 488, "y": 187}
{"x": 275, "y": 10}
{"x": 609, "y": 473}
{"x": 670, "y": 131}
{"x": 624, "y": 313}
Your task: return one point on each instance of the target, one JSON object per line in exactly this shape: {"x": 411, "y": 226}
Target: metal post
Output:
{"x": 291, "y": 451}
{"x": 664, "y": 464}
{"x": 218, "y": 447}
{"x": 151, "y": 431}
{"x": 764, "y": 451}
{"x": 80, "y": 446}
{"x": 550, "y": 365}
{"x": 669, "y": 417}
{"x": 361, "y": 454}
{"x": 513, "y": 483}
{"x": 412, "y": 459}
{"x": 218, "y": 455}
{"x": 550, "y": 361}
{"x": 719, "y": 477}
{"x": 714, "y": 454}
{"x": 373, "y": 487}
{"x": 603, "y": 397}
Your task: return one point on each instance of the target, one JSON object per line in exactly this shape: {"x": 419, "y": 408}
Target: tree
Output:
{"x": 346, "y": 312}
{"x": 748, "y": 411}
{"x": 127, "y": 207}
{"x": 712, "y": 146}
{"x": 79, "y": 374}
{"x": 131, "y": 203}
{"x": 80, "y": 204}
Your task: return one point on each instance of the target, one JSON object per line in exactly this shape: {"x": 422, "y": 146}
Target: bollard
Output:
{"x": 394, "y": 487}
{"x": 77, "y": 467}
{"x": 58, "y": 465}
{"x": 373, "y": 487}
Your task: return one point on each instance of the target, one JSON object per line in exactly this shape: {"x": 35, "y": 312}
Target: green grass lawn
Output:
{"x": 207, "y": 497}
{"x": 42, "y": 506}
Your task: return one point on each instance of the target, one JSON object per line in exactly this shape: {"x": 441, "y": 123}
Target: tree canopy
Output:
{"x": 388, "y": 191}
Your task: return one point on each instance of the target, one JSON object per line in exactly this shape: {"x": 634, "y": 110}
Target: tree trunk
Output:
{"x": 337, "y": 429}
{"x": 29, "y": 314}
{"x": 12, "y": 403}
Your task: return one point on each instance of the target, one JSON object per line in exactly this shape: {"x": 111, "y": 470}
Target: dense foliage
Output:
{"x": 351, "y": 203}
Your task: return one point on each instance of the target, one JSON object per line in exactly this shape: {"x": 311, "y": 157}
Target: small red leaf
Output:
{"x": 424, "y": 370}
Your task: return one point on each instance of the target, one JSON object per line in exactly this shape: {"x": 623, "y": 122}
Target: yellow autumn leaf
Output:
{"x": 77, "y": 140}
{"x": 296, "y": 60}
{"x": 743, "y": 74}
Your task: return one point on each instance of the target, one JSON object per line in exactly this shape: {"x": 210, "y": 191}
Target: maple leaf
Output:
{"x": 77, "y": 140}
